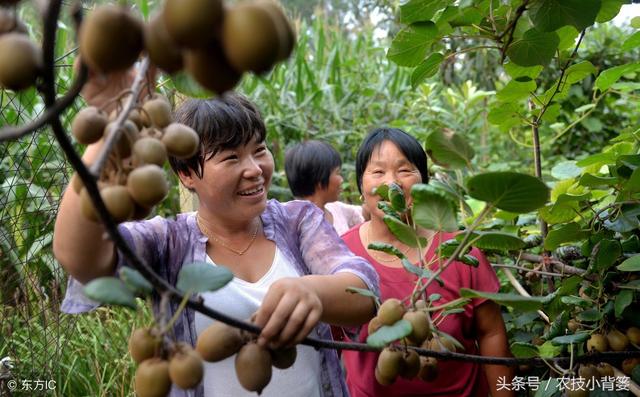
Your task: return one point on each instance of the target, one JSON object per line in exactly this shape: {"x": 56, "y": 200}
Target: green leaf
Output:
{"x": 491, "y": 240}
{"x": 606, "y": 254}
{"x": 189, "y": 87}
{"x": 434, "y": 297}
{"x": 516, "y": 71}
{"x": 635, "y": 21}
{"x": 534, "y": 48}
{"x": 386, "y": 208}
{"x": 411, "y": 268}
{"x": 549, "y": 387}
{"x": 389, "y": 333}
{"x": 630, "y": 264}
{"x": 403, "y": 232}
{"x": 386, "y": 248}
{"x": 612, "y": 75}
{"x": 589, "y": 180}
{"x": 626, "y": 221}
{"x": 409, "y": 47}
{"x": 201, "y": 276}
{"x": 509, "y": 191}
{"x": 431, "y": 210}
{"x": 469, "y": 260}
{"x": 382, "y": 191}
{"x": 362, "y": 291}
{"x": 564, "y": 234}
{"x": 568, "y": 36}
{"x": 135, "y": 281}
{"x": 566, "y": 170}
{"x": 624, "y": 299}
{"x": 396, "y": 198}
{"x": 576, "y": 338}
{"x": 421, "y": 10}
{"x": 555, "y": 214}
{"x": 524, "y": 350}
{"x": 609, "y": 10}
{"x": 515, "y": 301}
{"x": 548, "y": 349}
{"x": 579, "y": 71}
{"x": 631, "y": 42}
{"x": 589, "y": 315}
{"x": 427, "y": 68}
{"x": 110, "y": 290}
{"x": 516, "y": 90}
{"x": 632, "y": 285}
{"x": 549, "y": 15}
{"x": 449, "y": 149}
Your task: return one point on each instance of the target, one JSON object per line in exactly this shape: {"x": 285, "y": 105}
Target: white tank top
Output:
{"x": 241, "y": 299}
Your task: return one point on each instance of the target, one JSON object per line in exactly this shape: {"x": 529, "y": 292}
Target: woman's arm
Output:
{"x": 493, "y": 341}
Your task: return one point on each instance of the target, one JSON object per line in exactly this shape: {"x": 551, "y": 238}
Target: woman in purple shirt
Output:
{"x": 290, "y": 267}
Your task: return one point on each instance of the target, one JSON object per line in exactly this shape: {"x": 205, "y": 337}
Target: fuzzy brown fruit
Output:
{"x": 284, "y": 358}
{"x": 111, "y": 39}
{"x": 410, "y": 365}
{"x": 588, "y": 372}
{"x": 633, "y": 333}
{"x": 117, "y": 200}
{"x": 573, "y": 325}
{"x": 218, "y": 341}
{"x": 128, "y": 134}
{"x": 389, "y": 364}
{"x": 381, "y": 379}
{"x": 143, "y": 344}
{"x": 286, "y": 34}
{"x": 157, "y": 112}
{"x": 391, "y": 311}
{"x": 428, "y": 369}
{"x": 88, "y": 125}
{"x": 20, "y": 61}
{"x": 152, "y": 378}
{"x": 181, "y": 140}
{"x": 253, "y": 367}
{"x": 629, "y": 364}
{"x": 250, "y": 38}
{"x": 374, "y": 325}
{"x": 605, "y": 369}
{"x": 597, "y": 342}
{"x": 162, "y": 50}
{"x": 192, "y": 23}
{"x": 211, "y": 69}
{"x": 185, "y": 367}
{"x": 617, "y": 340}
{"x": 9, "y": 22}
{"x": 420, "y": 326}
{"x": 150, "y": 151}
{"x": 147, "y": 185}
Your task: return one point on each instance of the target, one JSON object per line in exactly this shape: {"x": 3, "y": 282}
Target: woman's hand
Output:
{"x": 289, "y": 312}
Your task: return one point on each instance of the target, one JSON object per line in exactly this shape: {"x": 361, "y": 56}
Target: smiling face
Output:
{"x": 387, "y": 164}
{"x": 234, "y": 182}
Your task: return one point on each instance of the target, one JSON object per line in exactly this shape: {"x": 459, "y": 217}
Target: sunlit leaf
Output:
{"x": 534, "y": 48}
{"x": 202, "y": 277}
{"x": 409, "y": 46}
{"x": 110, "y": 290}
{"x": 509, "y": 191}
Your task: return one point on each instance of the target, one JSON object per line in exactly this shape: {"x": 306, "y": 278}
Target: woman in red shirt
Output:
{"x": 391, "y": 155}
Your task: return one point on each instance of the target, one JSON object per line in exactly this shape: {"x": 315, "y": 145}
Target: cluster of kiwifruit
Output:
{"x": 159, "y": 368}
{"x": 617, "y": 341}
{"x": 133, "y": 180}
{"x": 20, "y": 57}
{"x": 252, "y": 363}
{"x": 213, "y": 43}
{"x": 394, "y": 361}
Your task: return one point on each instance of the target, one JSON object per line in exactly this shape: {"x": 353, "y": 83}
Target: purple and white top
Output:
{"x": 297, "y": 228}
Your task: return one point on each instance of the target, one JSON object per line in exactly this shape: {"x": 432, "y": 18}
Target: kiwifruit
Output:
{"x": 391, "y": 311}
{"x": 111, "y": 39}
{"x": 420, "y": 326}
{"x": 134, "y": 115}
{"x": 143, "y": 344}
{"x": 421, "y": 304}
{"x": 629, "y": 364}
{"x": 88, "y": 125}
{"x": 152, "y": 378}
{"x": 181, "y": 140}
{"x": 157, "y": 112}
{"x": 597, "y": 342}
{"x": 20, "y": 61}
{"x": 410, "y": 364}
{"x": 538, "y": 341}
{"x": 253, "y": 367}
{"x": 428, "y": 369}
{"x": 573, "y": 325}
{"x": 162, "y": 50}
{"x": 250, "y": 38}
{"x": 617, "y": 340}
{"x": 193, "y": 23}
{"x": 633, "y": 333}
{"x": 605, "y": 369}
{"x": 210, "y": 68}
{"x": 150, "y": 151}
{"x": 440, "y": 345}
{"x": 9, "y": 22}
{"x": 588, "y": 371}
{"x": 140, "y": 212}
{"x": 381, "y": 379}
{"x": 286, "y": 35}
{"x": 185, "y": 367}
{"x": 389, "y": 363}
{"x": 218, "y": 341}
{"x": 374, "y": 325}
{"x": 284, "y": 357}
{"x": 117, "y": 200}
{"x": 147, "y": 185}
{"x": 76, "y": 183}
{"x": 128, "y": 135}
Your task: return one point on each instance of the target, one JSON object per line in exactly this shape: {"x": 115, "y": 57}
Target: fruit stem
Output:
{"x": 181, "y": 307}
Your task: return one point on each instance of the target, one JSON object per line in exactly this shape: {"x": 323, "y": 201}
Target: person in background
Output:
{"x": 390, "y": 155}
{"x": 313, "y": 172}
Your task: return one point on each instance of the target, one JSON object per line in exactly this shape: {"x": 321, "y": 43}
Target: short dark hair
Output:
{"x": 408, "y": 145}
{"x": 308, "y": 164}
{"x": 221, "y": 123}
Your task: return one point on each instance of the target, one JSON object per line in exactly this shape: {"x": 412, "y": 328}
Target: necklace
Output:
{"x": 223, "y": 243}
{"x": 374, "y": 255}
